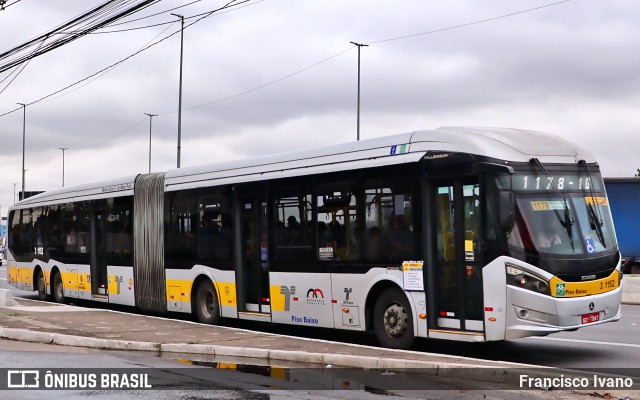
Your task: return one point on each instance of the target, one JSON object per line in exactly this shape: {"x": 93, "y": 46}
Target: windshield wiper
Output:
{"x": 567, "y": 222}
{"x": 595, "y": 219}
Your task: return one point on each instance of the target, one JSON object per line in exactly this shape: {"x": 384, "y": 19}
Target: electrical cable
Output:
{"x": 375, "y": 42}
{"x": 94, "y": 19}
{"x": 467, "y": 24}
{"x": 288, "y": 75}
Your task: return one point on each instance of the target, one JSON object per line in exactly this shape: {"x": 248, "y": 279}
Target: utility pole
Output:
{"x": 180, "y": 90}
{"x": 24, "y": 124}
{"x": 63, "y": 150}
{"x": 359, "y": 46}
{"x": 150, "y": 118}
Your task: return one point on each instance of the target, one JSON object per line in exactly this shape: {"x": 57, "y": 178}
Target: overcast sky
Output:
{"x": 572, "y": 69}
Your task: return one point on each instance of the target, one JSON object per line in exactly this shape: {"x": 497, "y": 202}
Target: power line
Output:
{"x": 288, "y": 75}
{"x": 170, "y": 22}
{"x": 97, "y": 75}
{"x": 152, "y": 15}
{"x": 80, "y": 26}
{"x": 469, "y": 24}
{"x": 266, "y": 84}
{"x": 203, "y": 16}
{"x": 367, "y": 43}
{"x": 4, "y": 5}
{"x": 345, "y": 51}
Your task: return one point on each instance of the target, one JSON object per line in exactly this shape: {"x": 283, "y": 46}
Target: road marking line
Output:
{"x": 589, "y": 342}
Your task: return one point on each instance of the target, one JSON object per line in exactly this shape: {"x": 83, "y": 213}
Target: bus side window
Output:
{"x": 338, "y": 209}
{"x": 293, "y": 224}
{"x": 180, "y": 238}
{"x": 120, "y": 231}
{"x": 214, "y": 229}
{"x": 390, "y": 231}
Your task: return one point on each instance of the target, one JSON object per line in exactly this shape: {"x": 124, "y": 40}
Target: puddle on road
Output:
{"x": 295, "y": 375}
{"x": 281, "y": 375}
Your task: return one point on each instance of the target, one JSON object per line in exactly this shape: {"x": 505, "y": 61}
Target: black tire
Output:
{"x": 205, "y": 303}
{"x": 58, "y": 288}
{"x": 41, "y": 286}
{"x": 392, "y": 320}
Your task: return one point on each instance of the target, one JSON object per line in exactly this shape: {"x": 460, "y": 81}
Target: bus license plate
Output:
{"x": 589, "y": 318}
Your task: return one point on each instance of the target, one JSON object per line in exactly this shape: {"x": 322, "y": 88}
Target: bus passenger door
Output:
{"x": 253, "y": 265}
{"x": 457, "y": 299}
{"x": 99, "y": 284}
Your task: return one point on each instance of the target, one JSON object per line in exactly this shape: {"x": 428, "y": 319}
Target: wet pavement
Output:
{"x": 35, "y": 321}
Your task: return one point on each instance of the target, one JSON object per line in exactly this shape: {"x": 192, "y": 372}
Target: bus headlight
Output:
{"x": 526, "y": 280}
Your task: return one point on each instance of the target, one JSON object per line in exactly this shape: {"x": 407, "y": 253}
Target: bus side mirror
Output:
{"x": 507, "y": 207}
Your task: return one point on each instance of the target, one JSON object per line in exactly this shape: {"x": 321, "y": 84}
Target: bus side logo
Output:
{"x": 560, "y": 289}
{"x": 315, "y": 297}
{"x": 287, "y": 292}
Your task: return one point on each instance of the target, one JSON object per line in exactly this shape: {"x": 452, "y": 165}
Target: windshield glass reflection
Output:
{"x": 571, "y": 225}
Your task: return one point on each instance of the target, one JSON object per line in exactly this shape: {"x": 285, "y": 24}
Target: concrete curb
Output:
{"x": 503, "y": 373}
{"x": 6, "y": 298}
{"x": 25, "y": 335}
{"x": 631, "y": 289}
{"x": 496, "y": 373}
{"x": 499, "y": 372}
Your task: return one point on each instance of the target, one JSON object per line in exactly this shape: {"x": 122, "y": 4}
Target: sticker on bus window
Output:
{"x": 590, "y": 244}
{"x": 547, "y": 205}
{"x": 599, "y": 201}
{"x": 412, "y": 275}
{"x": 468, "y": 251}
{"x": 325, "y": 253}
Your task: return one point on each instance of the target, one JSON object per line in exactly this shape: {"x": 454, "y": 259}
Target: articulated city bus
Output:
{"x": 472, "y": 234}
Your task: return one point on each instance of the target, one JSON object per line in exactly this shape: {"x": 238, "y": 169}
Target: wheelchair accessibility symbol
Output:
{"x": 591, "y": 246}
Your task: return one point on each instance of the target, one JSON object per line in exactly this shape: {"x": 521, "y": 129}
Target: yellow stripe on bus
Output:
{"x": 182, "y": 289}
{"x": 559, "y": 288}
{"x": 21, "y": 275}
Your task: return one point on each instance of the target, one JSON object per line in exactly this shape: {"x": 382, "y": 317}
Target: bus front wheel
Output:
{"x": 41, "y": 285}
{"x": 392, "y": 320}
{"x": 58, "y": 288}
{"x": 206, "y": 303}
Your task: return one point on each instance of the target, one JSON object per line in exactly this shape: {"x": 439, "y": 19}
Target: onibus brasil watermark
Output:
{"x": 33, "y": 379}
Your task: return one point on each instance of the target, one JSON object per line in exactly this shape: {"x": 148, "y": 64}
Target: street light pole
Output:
{"x": 359, "y": 46}
{"x": 150, "y": 118}
{"x": 63, "y": 150}
{"x": 14, "y": 193}
{"x": 24, "y": 124}
{"x": 180, "y": 90}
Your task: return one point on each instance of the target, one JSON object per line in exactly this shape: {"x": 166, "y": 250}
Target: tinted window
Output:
{"x": 293, "y": 223}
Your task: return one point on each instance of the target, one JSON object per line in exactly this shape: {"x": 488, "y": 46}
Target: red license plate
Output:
{"x": 589, "y": 318}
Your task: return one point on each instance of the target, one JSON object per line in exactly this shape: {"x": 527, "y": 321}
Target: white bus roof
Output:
{"x": 512, "y": 145}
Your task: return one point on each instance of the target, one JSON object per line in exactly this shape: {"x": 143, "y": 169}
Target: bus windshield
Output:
{"x": 562, "y": 224}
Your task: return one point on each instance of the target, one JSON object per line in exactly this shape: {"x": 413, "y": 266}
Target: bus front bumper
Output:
{"x": 533, "y": 314}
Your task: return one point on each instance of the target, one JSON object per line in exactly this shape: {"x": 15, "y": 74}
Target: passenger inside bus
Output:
{"x": 401, "y": 239}
{"x": 547, "y": 234}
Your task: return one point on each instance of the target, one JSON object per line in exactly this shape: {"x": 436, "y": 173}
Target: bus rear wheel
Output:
{"x": 392, "y": 320}
{"x": 206, "y": 304}
{"x": 41, "y": 286}
{"x": 58, "y": 288}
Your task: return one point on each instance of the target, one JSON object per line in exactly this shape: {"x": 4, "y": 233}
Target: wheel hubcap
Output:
{"x": 207, "y": 304}
{"x": 395, "y": 320}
